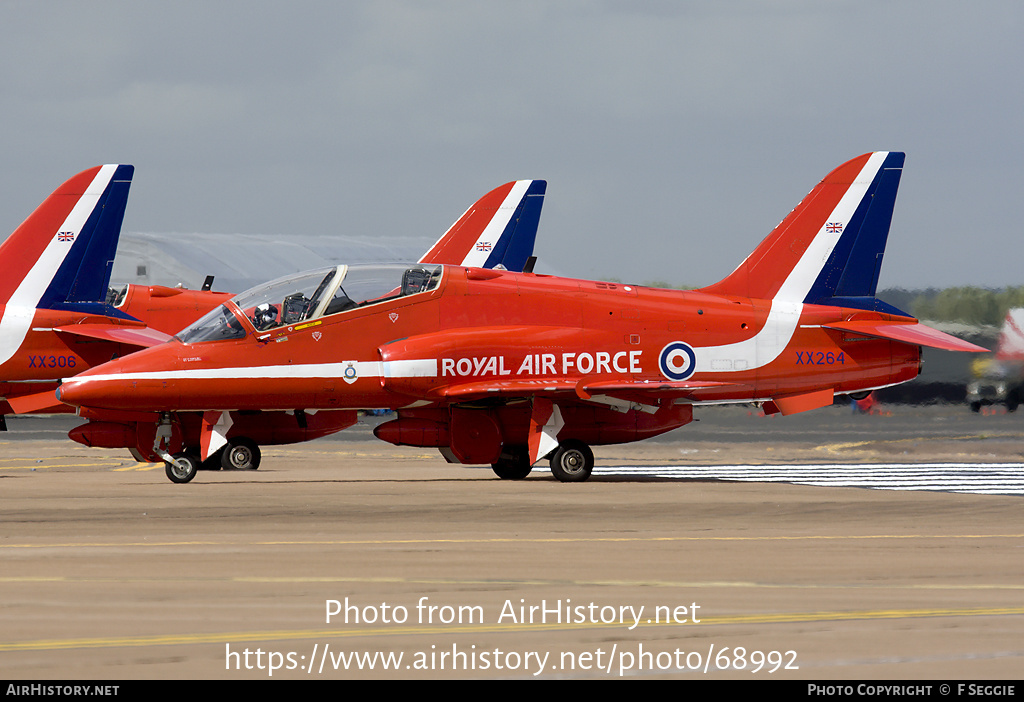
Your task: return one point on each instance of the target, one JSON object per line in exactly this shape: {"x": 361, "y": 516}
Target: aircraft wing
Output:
{"x": 661, "y": 387}
{"x": 142, "y": 337}
{"x": 644, "y": 392}
{"x": 597, "y": 390}
{"x": 508, "y": 388}
{"x": 907, "y": 333}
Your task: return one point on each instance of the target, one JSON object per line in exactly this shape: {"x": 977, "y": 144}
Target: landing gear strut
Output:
{"x": 572, "y": 462}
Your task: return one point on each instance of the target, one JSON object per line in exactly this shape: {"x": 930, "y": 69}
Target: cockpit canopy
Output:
{"x": 304, "y": 296}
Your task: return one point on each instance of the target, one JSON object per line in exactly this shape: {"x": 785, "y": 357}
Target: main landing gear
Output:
{"x": 513, "y": 464}
{"x": 571, "y": 462}
{"x": 240, "y": 453}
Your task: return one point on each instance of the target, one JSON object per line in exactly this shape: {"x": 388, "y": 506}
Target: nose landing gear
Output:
{"x": 182, "y": 467}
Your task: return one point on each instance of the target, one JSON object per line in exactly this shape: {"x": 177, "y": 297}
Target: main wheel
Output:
{"x": 183, "y": 469}
{"x": 240, "y": 454}
{"x": 513, "y": 464}
{"x": 211, "y": 462}
{"x": 572, "y": 462}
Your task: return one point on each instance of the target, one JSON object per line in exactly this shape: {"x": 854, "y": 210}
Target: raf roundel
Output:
{"x": 677, "y": 361}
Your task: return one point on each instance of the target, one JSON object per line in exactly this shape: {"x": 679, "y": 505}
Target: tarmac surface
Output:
{"x": 351, "y": 547}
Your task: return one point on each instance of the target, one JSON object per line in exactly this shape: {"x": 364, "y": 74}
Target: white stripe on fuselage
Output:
{"x": 21, "y": 308}
{"x": 364, "y": 369}
{"x": 765, "y": 346}
{"x": 492, "y": 232}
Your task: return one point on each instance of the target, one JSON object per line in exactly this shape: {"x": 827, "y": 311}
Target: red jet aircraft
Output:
{"x": 505, "y": 368}
{"x": 58, "y": 317}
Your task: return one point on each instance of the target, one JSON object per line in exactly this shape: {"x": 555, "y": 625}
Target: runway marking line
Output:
{"x": 832, "y": 448}
{"x": 43, "y": 464}
{"x": 237, "y": 637}
{"x": 268, "y": 579}
{"x": 546, "y": 540}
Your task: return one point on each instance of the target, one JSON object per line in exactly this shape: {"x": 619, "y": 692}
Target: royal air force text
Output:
{"x": 544, "y": 364}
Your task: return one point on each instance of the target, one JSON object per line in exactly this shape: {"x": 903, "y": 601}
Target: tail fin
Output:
{"x": 1011, "y": 337}
{"x": 499, "y": 229}
{"x": 828, "y": 250}
{"x": 62, "y": 255}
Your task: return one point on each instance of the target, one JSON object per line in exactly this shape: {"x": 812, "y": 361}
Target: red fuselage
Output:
{"x": 484, "y": 336}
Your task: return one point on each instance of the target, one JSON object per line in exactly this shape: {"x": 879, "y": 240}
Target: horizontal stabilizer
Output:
{"x": 143, "y": 337}
{"x": 907, "y": 333}
{"x": 37, "y": 403}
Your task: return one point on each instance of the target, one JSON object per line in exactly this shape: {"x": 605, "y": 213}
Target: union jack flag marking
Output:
{"x": 65, "y": 236}
{"x": 834, "y": 227}
{"x": 483, "y": 246}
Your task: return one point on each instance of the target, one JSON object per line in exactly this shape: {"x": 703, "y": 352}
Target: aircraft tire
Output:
{"x": 513, "y": 464}
{"x": 211, "y": 463}
{"x": 241, "y": 453}
{"x": 183, "y": 469}
{"x": 572, "y": 462}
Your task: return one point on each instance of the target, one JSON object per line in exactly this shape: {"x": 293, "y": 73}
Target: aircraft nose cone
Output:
{"x": 85, "y": 393}
{"x": 140, "y": 381}
{"x": 106, "y": 386}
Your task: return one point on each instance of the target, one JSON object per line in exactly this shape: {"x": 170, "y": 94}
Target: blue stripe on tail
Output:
{"x": 515, "y": 244}
{"x": 850, "y": 276}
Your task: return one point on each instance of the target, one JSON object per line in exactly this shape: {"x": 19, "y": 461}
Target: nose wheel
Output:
{"x": 572, "y": 462}
{"x": 182, "y": 468}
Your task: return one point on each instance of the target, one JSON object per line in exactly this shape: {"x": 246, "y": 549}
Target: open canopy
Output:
{"x": 304, "y": 296}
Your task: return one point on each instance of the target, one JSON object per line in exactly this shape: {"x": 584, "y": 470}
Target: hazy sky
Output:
{"x": 674, "y": 135}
